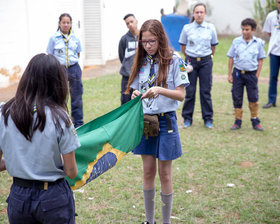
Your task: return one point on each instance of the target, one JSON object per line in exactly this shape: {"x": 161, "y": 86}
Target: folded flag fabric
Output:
{"x": 105, "y": 140}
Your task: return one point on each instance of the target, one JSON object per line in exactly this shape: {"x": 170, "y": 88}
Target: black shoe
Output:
{"x": 268, "y": 105}
{"x": 147, "y": 222}
{"x": 237, "y": 125}
{"x": 256, "y": 124}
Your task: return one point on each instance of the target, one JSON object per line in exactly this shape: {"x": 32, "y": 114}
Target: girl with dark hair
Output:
{"x": 198, "y": 42}
{"x": 160, "y": 76}
{"x": 38, "y": 141}
{"x": 66, "y": 47}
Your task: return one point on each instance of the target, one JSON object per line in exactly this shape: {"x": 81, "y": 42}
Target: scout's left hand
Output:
{"x": 152, "y": 92}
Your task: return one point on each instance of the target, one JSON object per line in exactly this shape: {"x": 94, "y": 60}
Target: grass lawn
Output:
{"x": 211, "y": 159}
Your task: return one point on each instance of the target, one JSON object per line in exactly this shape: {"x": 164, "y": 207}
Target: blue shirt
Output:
{"x": 177, "y": 75}
{"x": 198, "y": 39}
{"x": 39, "y": 159}
{"x": 246, "y": 54}
{"x": 272, "y": 25}
{"x": 57, "y": 47}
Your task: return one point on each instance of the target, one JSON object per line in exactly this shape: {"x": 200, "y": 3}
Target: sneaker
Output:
{"x": 147, "y": 222}
{"x": 236, "y": 125}
{"x": 256, "y": 124}
{"x": 268, "y": 105}
{"x": 258, "y": 127}
{"x": 187, "y": 124}
{"x": 209, "y": 124}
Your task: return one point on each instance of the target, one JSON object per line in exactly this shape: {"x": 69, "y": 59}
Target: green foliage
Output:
{"x": 261, "y": 11}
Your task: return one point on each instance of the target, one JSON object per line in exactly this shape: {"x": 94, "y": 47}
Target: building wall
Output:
{"x": 27, "y": 26}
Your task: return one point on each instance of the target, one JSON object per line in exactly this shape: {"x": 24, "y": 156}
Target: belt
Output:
{"x": 168, "y": 120}
{"x": 200, "y": 58}
{"x": 41, "y": 185}
{"x": 243, "y": 72}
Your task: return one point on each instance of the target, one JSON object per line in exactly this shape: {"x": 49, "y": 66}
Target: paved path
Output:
{"x": 110, "y": 67}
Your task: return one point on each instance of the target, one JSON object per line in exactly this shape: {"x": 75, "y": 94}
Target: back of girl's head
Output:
{"x": 43, "y": 84}
{"x": 44, "y": 79}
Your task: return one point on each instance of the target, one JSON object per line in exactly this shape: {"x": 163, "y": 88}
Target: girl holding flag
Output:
{"x": 38, "y": 141}
{"x": 160, "y": 76}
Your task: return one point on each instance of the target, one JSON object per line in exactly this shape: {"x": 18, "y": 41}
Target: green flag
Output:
{"x": 105, "y": 140}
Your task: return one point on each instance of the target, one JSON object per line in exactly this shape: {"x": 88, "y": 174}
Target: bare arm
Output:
{"x": 213, "y": 48}
{"x": 2, "y": 162}
{"x": 230, "y": 64}
{"x": 70, "y": 166}
{"x": 183, "y": 49}
{"x": 260, "y": 63}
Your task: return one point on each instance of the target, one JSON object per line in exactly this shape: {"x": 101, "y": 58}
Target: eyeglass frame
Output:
{"x": 145, "y": 42}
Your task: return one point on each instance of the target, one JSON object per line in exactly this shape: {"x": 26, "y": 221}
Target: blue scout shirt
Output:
{"x": 176, "y": 76}
{"x": 198, "y": 39}
{"x": 57, "y": 47}
{"x": 246, "y": 55}
{"x": 272, "y": 25}
{"x": 39, "y": 159}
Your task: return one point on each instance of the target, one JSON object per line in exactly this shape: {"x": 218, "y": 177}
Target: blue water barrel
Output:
{"x": 173, "y": 25}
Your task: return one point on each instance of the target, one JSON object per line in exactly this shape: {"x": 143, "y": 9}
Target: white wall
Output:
{"x": 227, "y": 15}
{"x": 26, "y": 26}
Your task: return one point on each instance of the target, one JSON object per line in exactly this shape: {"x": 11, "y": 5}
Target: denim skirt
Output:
{"x": 165, "y": 146}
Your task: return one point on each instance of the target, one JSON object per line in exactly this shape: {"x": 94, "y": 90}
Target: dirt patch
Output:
{"x": 246, "y": 164}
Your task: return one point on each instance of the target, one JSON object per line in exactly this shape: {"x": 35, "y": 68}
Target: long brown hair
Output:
{"x": 164, "y": 53}
{"x": 43, "y": 83}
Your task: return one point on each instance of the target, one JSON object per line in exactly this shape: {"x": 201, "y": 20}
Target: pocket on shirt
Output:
{"x": 143, "y": 84}
{"x": 59, "y": 48}
{"x": 73, "y": 45}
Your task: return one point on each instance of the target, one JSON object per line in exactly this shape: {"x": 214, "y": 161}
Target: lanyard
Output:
{"x": 66, "y": 40}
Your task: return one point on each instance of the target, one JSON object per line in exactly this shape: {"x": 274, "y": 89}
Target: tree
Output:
{"x": 261, "y": 10}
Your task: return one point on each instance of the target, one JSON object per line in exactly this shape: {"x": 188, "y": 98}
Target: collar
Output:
{"x": 254, "y": 39}
{"x": 152, "y": 59}
{"x": 203, "y": 24}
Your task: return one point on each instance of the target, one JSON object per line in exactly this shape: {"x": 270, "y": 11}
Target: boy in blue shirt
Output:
{"x": 246, "y": 54}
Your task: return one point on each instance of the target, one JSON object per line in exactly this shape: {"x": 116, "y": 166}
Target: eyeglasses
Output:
{"x": 145, "y": 42}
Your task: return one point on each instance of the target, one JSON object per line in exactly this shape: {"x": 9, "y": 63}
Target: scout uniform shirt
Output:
{"x": 198, "y": 39}
{"x": 57, "y": 47}
{"x": 246, "y": 55}
{"x": 272, "y": 25}
{"x": 177, "y": 75}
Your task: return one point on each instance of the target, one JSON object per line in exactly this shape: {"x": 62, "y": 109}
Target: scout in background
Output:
{"x": 246, "y": 54}
{"x": 161, "y": 77}
{"x": 127, "y": 49}
{"x": 38, "y": 141}
{"x": 272, "y": 27}
{"x": 66, "y": 47}
{"x": 198, "y": 42}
